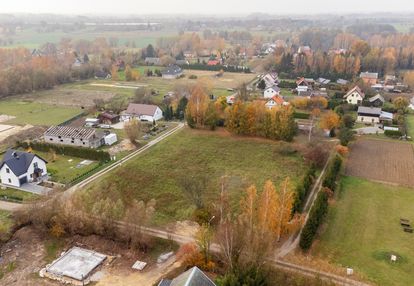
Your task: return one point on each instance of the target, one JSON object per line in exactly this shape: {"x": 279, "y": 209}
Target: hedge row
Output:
{"x": 393, "y": 133}
{"x": 287, "y": 84}
{"x": 332, "y": 174}
{"x": 301, "y": 115}
{"x": 225, "y": 68}
{"x": 303, "y": 189}
{"x": 80, "y": 152}
{"x": 316, "y": 216}
{"x": 85, "y": 175}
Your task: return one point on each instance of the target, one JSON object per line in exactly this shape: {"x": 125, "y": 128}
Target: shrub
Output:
{"x": 316, "y": 216}
{"x": 80, "y": 152}
{"x": 303, "y": 189}
{"x": 316, "y": 155}
{"x": 393, "y": 133}
{"x": 332, "y": 173}
{"x": 193, "y": 76}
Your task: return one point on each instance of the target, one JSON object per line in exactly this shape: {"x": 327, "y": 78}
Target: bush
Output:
{"x": 301, "y": 115}
{"x": 316, "y": 155}
{"x": 80, "y": 152}
{"x": 287, "y": 84}
{"x": 193, "y": 76}
{"x": 303, "y": 189}
{"x": 393, "y": 133}
{"x": 316, "y": 216}
{"x": 332, "y": 174}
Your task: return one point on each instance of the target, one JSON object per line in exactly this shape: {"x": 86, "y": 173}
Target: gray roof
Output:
{"x": 165, "y": 282}
{"x": 369, "y": 110}
{"x": 378, "y": 96}
{"x": 342, "y": 81}
{"x": 172, "y": 70}
{"x": 192, "y": 277}
{"x": 72, "y": 132}
{"x": 141, "y": 109}
{"x": 18, "y": 161}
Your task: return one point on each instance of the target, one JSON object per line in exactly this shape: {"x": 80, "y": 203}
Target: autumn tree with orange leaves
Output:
{"x": 197, "y": 106}
{"x": 248, "y": 238}
{"x": 329, "y": 120}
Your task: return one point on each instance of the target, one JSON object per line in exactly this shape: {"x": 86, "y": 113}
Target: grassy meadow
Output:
{"x": 34, "y": 113}
{"x": 158, "y": 173}
{"x": 363, "y": 230}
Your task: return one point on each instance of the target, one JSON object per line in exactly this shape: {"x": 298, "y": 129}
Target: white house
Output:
{"x": 18, "y": 168}
{"x": 276, "y": 101}
{"x": 271, "y": 91}
{"x": 373, "y": 115}
{"x": 355, "y": 96}
{"x": 142, "y": 112}
{"x": 271, "y": 79}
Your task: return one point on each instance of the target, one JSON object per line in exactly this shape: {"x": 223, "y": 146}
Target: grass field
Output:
{"x": 31, "y": 38}
{"x": 16, "y": 195}
{"x": 65, "y": 168}
{"x": 363, "y": 230}
{"x": 34, "y": 113}
{"x": 157, "y": 174}
{"x": 5, "y": 223}
{"x": 410, "y": 125}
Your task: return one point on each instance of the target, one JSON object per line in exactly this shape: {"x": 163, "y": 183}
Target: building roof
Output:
{"x": 71, "y": 132}
{"x": 274, "y": 87}
{"x": 108, "y": 115}
{"x": 377, "y": 97}
{"x": 375, "y": 111}
{"x": 165, "y": 282}
{"x": 172, "y": 70}
{"x": 141, "y": 109}
{"x": 150, "y": 60}
{"x": 386, "y": 116}
{"x": 342, "y": 81}
{"x": 18, "y": 161}
{"x": 370, "y": 75}
{"x": 355, "y": 89}
{"x": 192, "y": 277}
{"x": 277, "y": 99}
{"x": 322, "y": 80}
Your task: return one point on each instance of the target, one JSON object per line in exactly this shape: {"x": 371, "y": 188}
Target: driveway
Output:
{"x": 34, "y": 189}
{"x": 369, "y": 130}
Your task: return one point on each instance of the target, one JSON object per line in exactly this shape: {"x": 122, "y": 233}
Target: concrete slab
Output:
{"x": 77, "y": 263}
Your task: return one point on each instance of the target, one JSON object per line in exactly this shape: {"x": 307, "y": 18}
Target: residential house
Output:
{"x": 369, "y": 78}
{"x": 376, "y": 100}
{"x": 390, "y": 79}
{"x": 276, "y": 101}
{"x": 369, "y": 115}
{"x": 172, "y": 72}
{"x": 192, "y": 277}
{"x": 142, "y": 112}
{"x": 342, "y": 81}
{"x": 182, "y": 62}
{"x": 271, "y": 91}
{"x": 231, "y": 99}
{"x": 108, "y": 118}
{"x": 271, "y": 79}
{"x": 355, "y": 96}
{"x": 18, "y": 168}
{"x": 323, "y": 81}
{"x": 303, "y": 85}
{"x": 74, "y": 136}
{"x": 152, "y": 61}
{"x": 189, "y": 55}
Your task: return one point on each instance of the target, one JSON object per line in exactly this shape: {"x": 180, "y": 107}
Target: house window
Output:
{"x": 35, "y": 165}
{"x": 9, "y": 181}
{"x": 61, "y": 140}
{"x": 51, "y": 139}
{"x": 31, "y": 175}
{"x": 7, "y": 170}
{"x": 59, "y": 137}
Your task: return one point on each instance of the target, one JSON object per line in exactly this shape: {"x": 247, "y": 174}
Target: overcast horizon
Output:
{"x": 214, "y": 7}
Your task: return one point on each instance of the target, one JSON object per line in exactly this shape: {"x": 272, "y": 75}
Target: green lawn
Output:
{"x": 157, "y": 173}
{"x": 410, "y": 125}
{"x": 17, "y": 195}
{"x": 65, "y": 168}
{"x": 36, "y": 113}
{"x": 363, "y": 229}
{"x": 5, "y": 223}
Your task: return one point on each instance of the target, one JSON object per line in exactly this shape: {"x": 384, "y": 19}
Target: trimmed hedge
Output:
{"x": 316, "y": 217}
{"x": 226, "y": 68}
{"x": 393, "y": 133}
{"x": 80, "y": 152}
{"x": 303, "y": 189}
{"x": 332, "y": 174}
{"x": 301, "y": 115}
{"x": 287, "y": 84}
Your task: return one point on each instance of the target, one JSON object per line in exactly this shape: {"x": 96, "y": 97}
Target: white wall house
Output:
{"x": 355, "y": 96}
{"x": 142, "y": 112}
{"x": 18, "y": 168}
{"x": 271, "y": 91}
{"x": 276, "y": 101}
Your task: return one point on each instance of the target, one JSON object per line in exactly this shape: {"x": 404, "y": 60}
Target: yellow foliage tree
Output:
{"x": 329, "y": 120}
{"x": 197, "y": 106}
